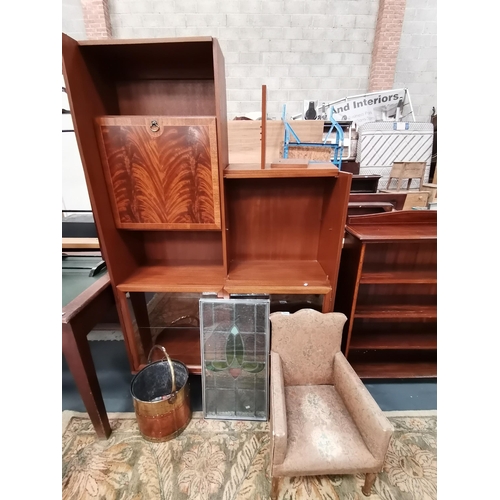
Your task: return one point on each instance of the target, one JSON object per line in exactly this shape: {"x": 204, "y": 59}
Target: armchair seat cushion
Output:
{"x": 322, "y": 436}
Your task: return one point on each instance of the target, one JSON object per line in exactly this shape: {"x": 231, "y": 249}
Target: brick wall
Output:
{"x": 416, "y": 67}
{"x": 96, "y": 17}
{"x": 386, "y": 44}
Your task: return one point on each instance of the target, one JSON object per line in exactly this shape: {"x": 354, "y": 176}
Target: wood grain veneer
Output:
{"x": 161, "y": 176}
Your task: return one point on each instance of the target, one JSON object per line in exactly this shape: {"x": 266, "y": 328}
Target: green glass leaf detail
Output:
{"x": 216, "y": 366}
{"x": 230, "y": 350}
{"x": 234, "y": 349}
{"x": 252, "y": 367}
{"x": 235, "y": 353}
{"x": 239, "y": 349}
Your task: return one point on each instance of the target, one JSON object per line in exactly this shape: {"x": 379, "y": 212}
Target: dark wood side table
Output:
{"x": 86, "y": 301}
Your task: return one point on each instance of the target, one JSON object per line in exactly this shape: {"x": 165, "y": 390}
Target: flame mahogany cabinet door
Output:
{"x": 161, "y": 172}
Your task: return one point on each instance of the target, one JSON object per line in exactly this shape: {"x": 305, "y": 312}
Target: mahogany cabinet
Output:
{"x": 172, "y": 215}
{"x": 388, "y": 290}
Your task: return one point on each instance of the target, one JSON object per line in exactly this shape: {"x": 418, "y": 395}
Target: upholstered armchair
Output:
{"x": 323, "y": 419}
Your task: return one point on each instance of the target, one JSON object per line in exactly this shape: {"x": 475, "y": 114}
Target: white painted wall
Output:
{"x": 74, "y": 187}
{"x": 72, "y": 19}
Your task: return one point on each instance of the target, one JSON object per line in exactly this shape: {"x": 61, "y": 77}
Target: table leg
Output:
{"x": 76, "y": 350}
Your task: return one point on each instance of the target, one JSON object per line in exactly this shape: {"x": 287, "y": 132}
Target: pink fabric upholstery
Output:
{"x": 371, "y": 422}
{"x": 322, "y": 436}
{"x": 278, "y": 411}
{"x": 323, "y": 419}
{"x": 307, "y": 342}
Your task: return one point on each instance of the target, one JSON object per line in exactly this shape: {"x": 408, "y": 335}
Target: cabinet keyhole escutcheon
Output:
{"x": 154, "y": 126}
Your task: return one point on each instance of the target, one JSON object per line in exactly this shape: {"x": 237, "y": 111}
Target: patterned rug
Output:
{"x": 226, "y": 460}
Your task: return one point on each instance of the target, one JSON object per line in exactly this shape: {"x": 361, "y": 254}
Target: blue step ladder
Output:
{"x": 337, "y": 146}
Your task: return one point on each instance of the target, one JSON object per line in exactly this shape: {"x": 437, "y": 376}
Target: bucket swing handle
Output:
{"x": 174, "y": 388}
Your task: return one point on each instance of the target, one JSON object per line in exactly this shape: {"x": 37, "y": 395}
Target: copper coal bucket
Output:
{"x": 161, "y": 398}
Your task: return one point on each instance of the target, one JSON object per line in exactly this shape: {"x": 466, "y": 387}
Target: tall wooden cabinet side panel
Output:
{"x": 86, "y": 104}
{"x": 351, "y": 263}
{"x": 332, "y": 229}
{"x": 119, "y": 251}
{"x": 222, "y": 140}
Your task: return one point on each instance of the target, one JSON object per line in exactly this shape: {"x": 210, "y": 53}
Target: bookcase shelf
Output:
{"x": 395, "y": 311}
{"x": 272, "y": 276}
{"x": 254, "y": 171}
{"x": 393, "y": 340}
{"x": 394, "y": 370}
{"x": 180, "y": 278}
{"x": 398, "y": 277}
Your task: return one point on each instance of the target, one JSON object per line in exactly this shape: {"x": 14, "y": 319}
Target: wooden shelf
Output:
{"x": 394, "y": 226}
{"x": 397, "y": 340}
{"x": 287, "y": 277}
{"x": 156, "y": 278}
{"x": 395, "y": 199}
{"x": 182, "y": 344}
{"x": 394, "y": 370}
{"x": 398, "y": 277}
{"x": 402, "y": 363}
{"x": 253, "y": 171}
{"x": 272, "y": 276}
{"x": 386, "y": 233}
{"x": 395, "y": 311}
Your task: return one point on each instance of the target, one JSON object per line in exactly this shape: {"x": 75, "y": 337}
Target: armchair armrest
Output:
{"x": 278, "y": 411}
{"x": 373, "y": 425}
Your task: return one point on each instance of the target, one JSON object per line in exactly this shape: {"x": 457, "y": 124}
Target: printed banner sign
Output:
{"x": 389, "y": 105}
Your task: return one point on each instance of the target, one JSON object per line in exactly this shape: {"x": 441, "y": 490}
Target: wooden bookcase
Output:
{"x": 285, "y": 229}
{"x": 172, "y": 215}
{"x": 388, "y": 290}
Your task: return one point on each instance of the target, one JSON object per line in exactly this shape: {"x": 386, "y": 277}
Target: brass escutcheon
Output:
{"x": 154, "y": 126}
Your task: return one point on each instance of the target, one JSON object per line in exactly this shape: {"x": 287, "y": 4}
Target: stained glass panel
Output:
{"x": 234, "y": 353}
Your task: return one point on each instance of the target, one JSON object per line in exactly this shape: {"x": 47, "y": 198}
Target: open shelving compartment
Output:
{"x": 285, "y": 233}
{"x": 394, "y": 347}
{"x": 388, "y": 291}
{"x": 142, "y": 108}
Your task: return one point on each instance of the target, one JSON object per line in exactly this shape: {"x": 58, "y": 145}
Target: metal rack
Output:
{"x": 350, "y": 138}
{"x": 337, "y": 146}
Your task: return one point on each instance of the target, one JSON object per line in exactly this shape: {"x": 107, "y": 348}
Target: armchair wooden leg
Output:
{"x": 274, "y": 488}
{"x": 369, "y": 480}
